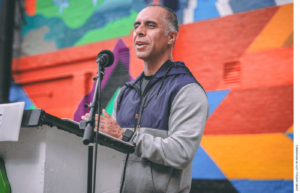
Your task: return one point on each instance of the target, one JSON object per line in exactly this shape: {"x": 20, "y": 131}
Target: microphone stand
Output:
{"x": 89, "y": 125}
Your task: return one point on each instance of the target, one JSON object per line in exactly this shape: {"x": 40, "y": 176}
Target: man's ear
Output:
{"x": 173, "y": 35}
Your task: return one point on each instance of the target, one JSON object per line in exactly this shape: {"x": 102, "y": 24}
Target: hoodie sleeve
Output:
{"x": 188, "y": 116}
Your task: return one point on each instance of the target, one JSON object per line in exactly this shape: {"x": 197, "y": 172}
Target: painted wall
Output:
{"x": 240, "y": 51}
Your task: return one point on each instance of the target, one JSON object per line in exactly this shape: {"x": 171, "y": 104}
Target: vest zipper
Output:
{"x": 144, "y": 104}
{"x": 138, "y": 109}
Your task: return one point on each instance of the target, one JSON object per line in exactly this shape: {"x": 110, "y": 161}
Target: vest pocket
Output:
{"x": 161, "y": 176}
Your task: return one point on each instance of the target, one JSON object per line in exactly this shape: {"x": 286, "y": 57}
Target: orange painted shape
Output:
{"x": 291, "y": 129}
{"x": 260, "y": 156}
{"x": 277, "y": 31}
{"x": 30, "y": 6}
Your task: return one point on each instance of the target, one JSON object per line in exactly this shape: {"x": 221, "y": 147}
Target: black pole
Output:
{"x": 101, "y": 74}
{"x": 7, "y": 14}
{"x": 104, "y": 59}
{"x": 90, "y": 170}
{"x": 89, "y": 136}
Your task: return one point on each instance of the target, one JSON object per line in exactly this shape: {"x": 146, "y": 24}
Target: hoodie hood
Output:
{"x": 167, "y": 69}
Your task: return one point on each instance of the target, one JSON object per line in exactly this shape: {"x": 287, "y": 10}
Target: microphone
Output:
{"x": 105, "y": 58}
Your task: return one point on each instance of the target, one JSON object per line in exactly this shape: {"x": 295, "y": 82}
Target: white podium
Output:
{"x": 47, "y": 159}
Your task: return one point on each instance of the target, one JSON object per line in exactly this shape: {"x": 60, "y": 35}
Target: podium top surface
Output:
{"x": 38, "y": 117}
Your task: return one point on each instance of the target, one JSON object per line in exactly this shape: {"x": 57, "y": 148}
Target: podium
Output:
{"x": 50, "y": 157}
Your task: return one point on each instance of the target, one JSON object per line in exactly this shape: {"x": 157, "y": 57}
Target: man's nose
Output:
{"x": 141, "y": 31}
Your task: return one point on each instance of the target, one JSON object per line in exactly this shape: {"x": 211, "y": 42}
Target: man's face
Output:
{"x": 149, "y": 33}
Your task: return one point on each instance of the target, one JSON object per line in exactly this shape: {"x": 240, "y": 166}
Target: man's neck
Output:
{"x": 152, "y": 66}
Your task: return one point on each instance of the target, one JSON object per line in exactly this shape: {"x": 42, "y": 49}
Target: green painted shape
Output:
{"x": 32, "y": 107}
{"x": 110, "y": 106}
{"x": 114, "y": 29}
{"x": 4, "y": 184}
{"x": 74, "y": 16}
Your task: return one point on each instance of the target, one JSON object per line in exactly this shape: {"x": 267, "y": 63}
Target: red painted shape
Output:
{"x": 30, "y": 6}
{"x": 268, "y": 68}
{"x": 253, "y": 111}
{"x": 263, "y": 102}
{"x": 265, "y": 68}
{"x": 206, "y": 45}
{"x": 62, "y": 57}
{"x": 57, "y": 81}
{"x": 136, "y": 64}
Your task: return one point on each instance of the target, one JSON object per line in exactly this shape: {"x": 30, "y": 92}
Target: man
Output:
{"x": 165, "y": 106}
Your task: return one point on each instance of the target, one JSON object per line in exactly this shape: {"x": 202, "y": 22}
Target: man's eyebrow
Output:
{"x": 151, "y": 22}
{"x": 147, "y": 22}
{"x": 137, "y": 22}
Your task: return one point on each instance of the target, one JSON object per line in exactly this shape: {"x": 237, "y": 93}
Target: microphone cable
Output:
{"x": 124, "y": 171}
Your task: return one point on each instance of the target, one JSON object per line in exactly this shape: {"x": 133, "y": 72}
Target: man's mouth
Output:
{"x": 140, "y": 44}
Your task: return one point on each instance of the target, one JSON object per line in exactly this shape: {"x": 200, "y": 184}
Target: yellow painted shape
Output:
{"x": 291, "y": 129}
{"x": 259, "y": 156}
{"x": 277, "y": 31}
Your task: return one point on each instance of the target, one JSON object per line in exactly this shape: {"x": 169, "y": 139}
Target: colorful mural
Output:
{"x": 240, "y": 51}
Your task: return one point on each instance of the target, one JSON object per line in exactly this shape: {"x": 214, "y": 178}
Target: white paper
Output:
{"x": 10, "y": 120}
{"x": 1, "y": 114}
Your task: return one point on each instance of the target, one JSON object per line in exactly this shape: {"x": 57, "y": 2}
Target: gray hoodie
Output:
{"x": 172, "y": 113}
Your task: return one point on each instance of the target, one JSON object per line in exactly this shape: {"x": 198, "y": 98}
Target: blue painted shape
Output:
{"x": 62, "y": 4}
{"x": 290, "y": 135}
{"x": 64, "y": 37}
{"x": 17, "y": 94}
{"x": 215, "y": 98}
{"x": 171, "y": 4}
{"x": 206, "y": 9}
{"x": 263, "y": 186}
{"x": 182, "y": 4}
{"x": 247, "y": 5}
{"x": 205, "y": 168}
{"x": 177, "y": 6}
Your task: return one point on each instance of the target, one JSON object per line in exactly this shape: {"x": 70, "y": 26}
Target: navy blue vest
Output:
{"x": 152, "y": 109}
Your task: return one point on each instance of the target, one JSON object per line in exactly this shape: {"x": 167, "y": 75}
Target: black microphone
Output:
{"x": 105, "y": 58}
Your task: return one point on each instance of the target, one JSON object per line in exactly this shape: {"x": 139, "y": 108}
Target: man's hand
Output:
{"x": 108, "y": 124}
